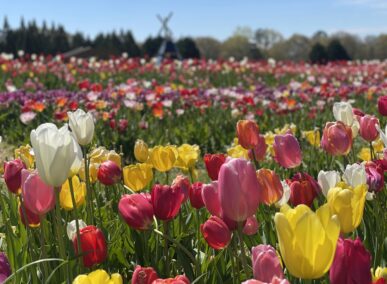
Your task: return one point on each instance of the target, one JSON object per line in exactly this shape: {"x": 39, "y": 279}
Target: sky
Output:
{"x": 216, "y": 18}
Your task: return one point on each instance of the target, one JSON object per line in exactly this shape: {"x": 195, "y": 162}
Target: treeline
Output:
{"x": 261, "y": 43}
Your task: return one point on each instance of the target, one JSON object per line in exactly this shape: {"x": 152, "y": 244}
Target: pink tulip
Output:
{"x": 368, "y": 129}
{"x": 287, "y": 151}
{"x": 337, "y": 138}
{"x": 184, "y": 184}
{"x": 259, "y": 151}
{"x": 38, "y": 197}
{"x": 275, "y": 280}
{"x": 239, "y": 190}
{"x": 12, "y": 175}
{"x": 211, "y": 200}
{"x": 266, "y": 263}
{"x": 109, "y": 173}
{"x": 251, "y": 226}
{"x": 137, "y": 210}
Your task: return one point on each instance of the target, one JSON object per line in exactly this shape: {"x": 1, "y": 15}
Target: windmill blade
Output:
{"x": 160, "y": 18}
{"x": 169, "y": 16}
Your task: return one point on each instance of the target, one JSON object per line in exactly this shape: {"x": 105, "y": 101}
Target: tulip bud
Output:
{"x": 271, "y": 186}
{"x": 337, "y": 138}
{"x": 138, "y": 176}
{"x": 210, "y": 196}
{"x": 213, "y": 163}
{"x": 180, "y": 279}
{"x": 65, "y": 198}
{"x": 195, "y": 195}
{"x": 184, "y": 184}
{"x": 287, "y": 151}
{"x": 71, "y": 228}
{"x": 187, "y": 156}
{"x": 248, "y": 133}
{"x": 259, "y": 151}
{"x": 275, "y": 280}
{"x": 141, "y": 152}
{"x": 122, "y": 125}
{"x": 12, "y": 175}
{"x": 251, "y": 226}
{"x": 382, "y": 105}
{"x": 136, "y": 210}
{"x": 303, "y": 189}
{"x": 109, "y": 173}
{"x": 166, "y": 201}
{"x": 163, "y": 157}
{"x": 93, "y": 245}
{"x": 216, "y": 233}
{"x": 352, "y": 263}
{"x": 144, "y": 275}
{"x": 5, "y": 268}
{"x": 368, "y": 129}
{"x": 266, "y": 263}
{"x": 82, "y": 126}
{"x": 99, "y": 276}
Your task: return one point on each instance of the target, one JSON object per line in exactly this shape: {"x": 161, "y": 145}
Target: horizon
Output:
{"x": 344, "y": 16}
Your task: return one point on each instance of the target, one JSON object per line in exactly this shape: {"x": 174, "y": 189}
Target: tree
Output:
{"x": 320, "y": 37}
{"x": 381, "y": 47}
{"x": 295, "y": 48}
{"x": 318, "y": 54}
{"x": 266, "y": 38}
{"x": 209, "y": 47}
{"x": 354, "y": 46}
{"x": 246, "y": 32}
{"x": 336, "y": 51}
{"x": 237, "y": 47}
{"x": 187, "y": 48}
{"x": 151, "y": 46}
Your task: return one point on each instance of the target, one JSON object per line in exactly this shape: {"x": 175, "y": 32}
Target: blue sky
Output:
{"x": 204, "y": 17}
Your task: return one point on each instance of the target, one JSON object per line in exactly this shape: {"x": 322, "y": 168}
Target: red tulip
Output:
{"x": 216, "y": 232}
{"x": 137, "y": 210}
{"x": 181, "y": 279}
{"x": 270, "y": 183}
{"x": 166, "y": 201}
{"x": 248, "y": 133}
{"x": 337, "y": 138}
{"x": 287, "y": 151}
{"x": 195, "y": 195}
{"x": 109, "y": 173}
{"x": 368, "y": 129}
{"x": 382, "y": 105}
{"x": 352, "y": 263}
{"x": 12, "y": 175}
{"x": 303, "y": 189}
{"x": 184, "y": 184}
{"x": 33, "y": 220}
{"x": 239, "y": 190}
{"x": 93, "y": 245}
{"x": 357, "y": 112}
{"x": 213, "y": 163}
{"x": 259, "y": 151}
{"x": 144, "y": 275}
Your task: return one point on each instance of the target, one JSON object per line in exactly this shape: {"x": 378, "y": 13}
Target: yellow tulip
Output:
{"x": 365, "y": 154}
{"x": 24, "y": 153}
{"x": 114, "y": 157}
{"x": 93, "y": 172}
{"x": 307, "y": 240}
{"x": 65, "y": 199}
{"x": 99, "y": 276}
{"x": 380, "y": 272}
{"x": 348, "y": 204}
{"x": 188, "y": 155}
{"x": 141, "y": 152}
{"x": 238, "y": 151}
{"x": 138, "y": 176}
{"x": 163, "y": 157}
{"x": 98, "y": 155}
{"x": 292, "y": 127}
{"x": 313, "y": 137}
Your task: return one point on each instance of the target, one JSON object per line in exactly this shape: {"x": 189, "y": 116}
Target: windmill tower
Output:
{"x": 168, "y": 49}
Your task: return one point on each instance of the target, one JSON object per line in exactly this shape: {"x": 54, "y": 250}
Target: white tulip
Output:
{"x": 383, "y": 135}
{"x": 77, "y": 164}
{"x": 72, "y": 228}
{"x": 355, "y": 175}
{"x": 342, "y": 111}
{"x": 54, "y": 153}
{"x": 82, "y": 126}
{"x": 285, "y": 196}
{"x": 328, "y": 180}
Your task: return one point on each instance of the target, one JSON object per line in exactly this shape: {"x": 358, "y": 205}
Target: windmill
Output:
{"x": 168, "y": 49}
{"x": 3, "y": 35}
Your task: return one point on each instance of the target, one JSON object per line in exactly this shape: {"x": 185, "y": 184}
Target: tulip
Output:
{"x": 12, "y": 175}
{"x": 163, "y": 157}
{"x": 144, "y": 275}
{"x": 99, "y": 155}
{"x": 303, "y": 189}
{"x": 184, "y": 184}
{"x": 248, "y": 133}
{"x": 352, "y": 263}
{"x": 5, "y": 268}
{"x": 54, "y": 153}
{"x": 109, "y": 173}
{"x": 181, "y": 279}
{"x": 137, "y": 176}
{"x": 187, "y": 156}
{"x": 258, "y": 153}
{"x": 380, "y": 274}
{"x": 275, "y": 280}
{"x": 213, "y": 163}
{"x": 285, "y": 196}
{"x": 82, "y": 126}
{"x": 355, "y": 175}
{"x": 239, "y": 190}
{"x": 141, "y": 152}
{"x": 71, "y": 228}
{"x": 271, "y": 186}
{"x": 98, "y": 276}
{"x": 216, "y": 233}
{"x": 368, "y": 130}
{"x": 287, "y": 151}
{"x": 136, "y": 210}
{"x": 93, "y": 245}
{"x": 210, "y": 196}
{"x": 28, "y": 217}
{"x": 78, "y": 159}
{"x": 348, "y": 204}
{"x": 25, "y": 154}
{"x": 114, "y": 157}
{"x": 166, "y": 201}
{"x": 328, "y": 180}
{"x": 93, "y": 172}
{"x": 251, "y": 226}
{"x": 307, "y": 240}
{"x": 79, "y": 189}
{"x": 195, "y": 195}
{"x": 337, "y": 138}
{"x": 266, "y": 263}
{"x": 313, "y": 137}
{"x": 38, "y": 197}
{"x": 382, "y": 105}
{"x": 344, "y": 113}
{"x": 375, "y": 177}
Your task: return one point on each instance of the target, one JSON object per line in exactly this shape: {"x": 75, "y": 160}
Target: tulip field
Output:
{"x": 196, "y": 171}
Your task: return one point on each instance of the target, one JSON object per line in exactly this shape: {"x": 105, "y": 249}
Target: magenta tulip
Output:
{"x": 375, "y": 176}
{"x": 195, "y": 195}
{"x": 287, "y": 151}
{"x": 38, "y": 197}
{"x": 266, "y": 263}
{"x": 109, "y": 173}
{"x": 368, "y": 129}
{"x": 184, "y": 184}
{"x": 352, "y": 263}
{"x": 259, "y": 151}
{"x": 137, "y": 210}
{"x": 382, "y": 105}
{"x": 239, "y": 190}
{"x": 166, "y": 201}
{"x": 251, "y": 226}
{"x": 12, "y": 175}
{"x": 275, "y": 280}
{"x": 216, "y": 233}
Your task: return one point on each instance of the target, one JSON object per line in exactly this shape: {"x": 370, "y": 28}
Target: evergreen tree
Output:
{"x": 336, "y": 51}
{"x": 318, "y": 54}
{"x": 187, "y": 48}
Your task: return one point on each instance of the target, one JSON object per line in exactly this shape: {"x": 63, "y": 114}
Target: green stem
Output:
{"x": 166, "y": 256}
{"x": 58, "y": 225}
{"x": 89, "y": 199}
{"x": 243, "y": 250}
{"x": 43, "y": 247}
{"x": 76, "y": 219}
{"x": 198, "y": 270}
